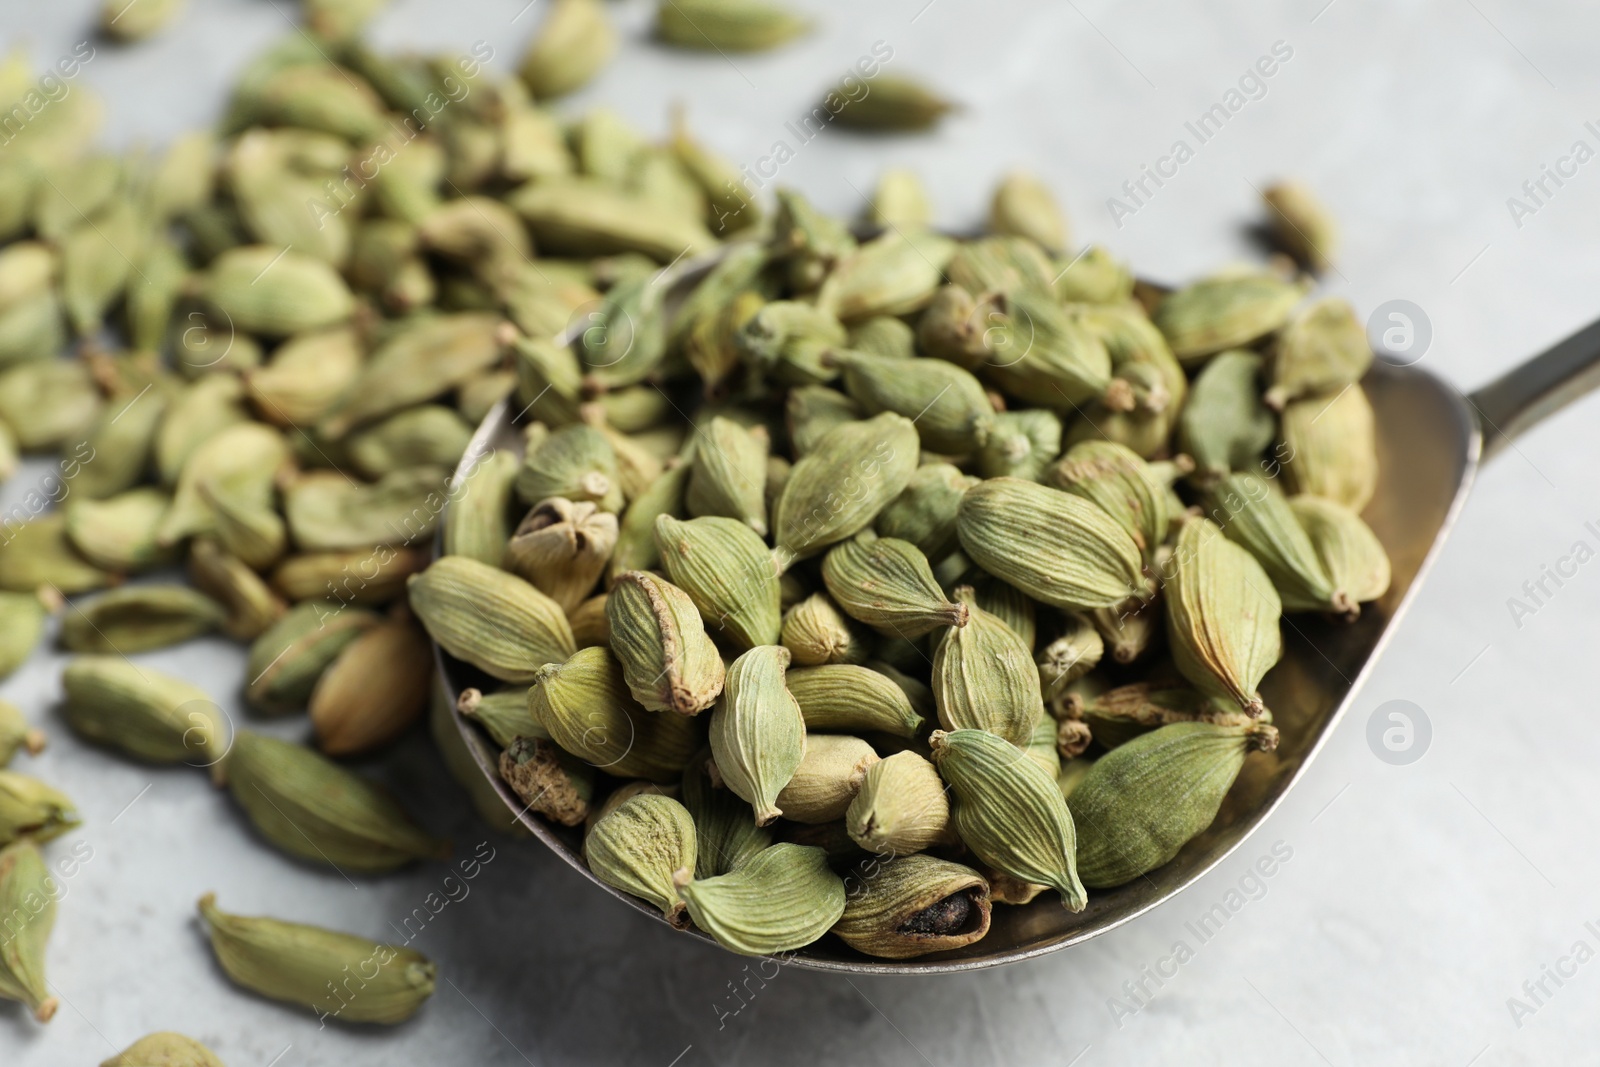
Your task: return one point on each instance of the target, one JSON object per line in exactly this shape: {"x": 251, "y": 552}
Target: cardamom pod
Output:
{"x": 1023, "y": 207}
{"x": 16, "y": 734}
{"x": 38, "y": 553}
{"x": 504, "y": 715}
{"x": 728, "y": 25}
{"x": 240, "y": 463}
{"x": 311, "y": 966}
{"x": 637, "y": 549}
{"x": 1009, "y": 811}
{"x": 948, "y": 406}
{"x": 808, "y": 243}
{"x": 250, "y": 606}
{"x": 1128, "y": 631}
{"x": 373, "y": 575}
{"x": 164, "y": 1049}
{"x": 312, "y": 808}
{"x": 1057, "y": 548}
{"x": 778, "y": 900}
{"x": 29, "y": 808}
{"x": 913, "y": 905}
{"x": 1094, "y": 277}
{"x": 1144, "y": 800}
{"x": 477, "y": 524}
{"x": 901, "y": 807}
{"x": 728, "y": 474}
{"x": 1350, "y": 552}
{"x": 1116, "y": 478}
{"x": 791, "y": 341}
{"x": 843, "y": 696}
{"x": 891, "y": 103}
{"x": 427, "y": 357}
{"x": 428, "y": 435}
{"x": 549, "y": 781}
{"x": 638, "y": 848}
{"x": 811, "y": 411}
{"x": 758, "y": 736}
{"x": 1119, "y": 715}
{"x": 198, "y": 413}
{"x": 1001, "y": 263}
{"x": 984, "y": 676}
{"x": 22, "y": 619}
{"x": 1069, "y": 657}
{"x": 1225, "y": 425}
{"x": 491, "y": 619}
{"x": 574, "y": 43}
{"x": 1323, "y": 349}
{"x": 139, "y": 618}
{"x": 1020, "y": 444}
{"x": 1222, "y": 616}
{"x": 587, "y": 217}
{"x": 657, "y": 634}
{"x": 728, "y": 572}
{"x": 562, "y": 547}
{"x": 49, "y": 403}
{"x": 899, "y": 201}
{"x": 1301, "y": 224}
{"x": 1253, "y": 512}
{"x": 827, "y": 778}
{"x": 147, "y": 714}
{"x": 1329, "y": 448}
{"x": 725, "y": 825}
{"x": 286, "y": 660}
{"x": 816, "y": 632}
{"x": 119, "y": 533}
{"x": 276, "y": 292}
{"x": 375, "y": 689}
{"x": 28, "y": 901}
{"x": 1225, "y": 311}
{"x": 887, "y": 584}
{"x": 895, "y": 273}
{"x": 626, "y": 338}
{"x": 575, "y": 462}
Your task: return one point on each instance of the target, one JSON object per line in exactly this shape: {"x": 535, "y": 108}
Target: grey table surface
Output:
{"x": 1422, "y": 909}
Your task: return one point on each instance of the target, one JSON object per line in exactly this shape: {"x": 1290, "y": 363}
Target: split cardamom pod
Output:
{"x": 660, "y": 640}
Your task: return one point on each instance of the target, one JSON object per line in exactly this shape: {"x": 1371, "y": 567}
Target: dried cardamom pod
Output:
{"x": 312, "y": 808}
{"x": 373, "y": 691}
{"x": 791, "y": 341}
{"x": 638, "y": 848}
{"x": 426, "y": 357}
{"x": 491, "y": 619}
{"x": 899, "y": 201}
{"x": 780, "y": 899}
{"x": 1323, "y": 349}
{"x": 895, "y": 273}
{"x": 758, "y": 737}
{"x": 592, "y": 218}
{"x": 30, "y": 808}
{"x": 901, "y": 807}
{"x": 728, "y": 475}
{"x": 49, "y": 403}
{"x": 658, "y": 635}
{"x": 1225, "y": 426}
{"x": 309, "y": 965}
{"x": 1009, "y": 811}
{"x": 28, "y": 896}
{"x": 240, "y": 463}
{"x": 711, "y": 344}
{"x": 286, "y": 660}
{"x": 164, "y": 1049}
{"x": 626, "y": 339}
{"x": 276, "y": 292}
{"x": 725, "y": 826}
{"x": 1225, "y": 311}
{"x": 16, "y": 734}
{"x": 477, "y": 523}
{"x": 1069, "y": 657}
{"x": 585, "y": 706}
{"x": 1024, "y": 207}
{"x": 815, "y": 632}
{"x": 250, "y": 606}
{"x": 504, "y": 715}
{"x": 1329, "y": 448}
{"x": 575, "y": 462}
{"x": 328, "y": 512}
{"x": 1254, "y": 513}
{"x": 1222, "y": 616}
{"x": 549, "y": 781}
{"x": 728, "y": 572}
{"x": 22, "y": 619}
{"x": 195, "y": 415}
{"x": 887, "y": 584}
{"x": 808, "y": 243}
{"x": 145, "y": 713}
{"x": 1142, "y": 802}
{"x": 1042, "y": 742}
{"x": 139, "y": 618}
{"x": 1350, "y": 552}
{"x": 827, "y": 779}
{"x": 813, "y": 410}
{"x": 1020, "y": 444}
{"x": 1094, "y": 277}
{"x": 562, "y": 547}
{"x": 118, "y": 533}
{"x": 1114, "y": 477}
{"x": 374, "y": 575}
{"x": 728, "y": 25}
{"x": 1002, "y": 263}
{"x": 97, "y": 258}
{"x": 984, "y": 677}
{"x": 636, "y": 538}
{"x": 38, "y": 553}
{"x": 950, "y": 409}
{"x": 1129, "y": 630}
{"x": 1059, "y": 549}
{"x": 429, "y": 435}
{"x": 1119, "y": 715}
{"x": 891, "y": 103}
{"x": 843, "y": 696}
{"x": 1301, "y": 224}
{"x": 913, "y": 905}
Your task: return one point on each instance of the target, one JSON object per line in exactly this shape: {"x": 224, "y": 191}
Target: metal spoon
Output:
{"x": 1431, "y": 440}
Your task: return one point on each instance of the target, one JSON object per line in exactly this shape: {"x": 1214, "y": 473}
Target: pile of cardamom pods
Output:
{"x": 838, "y": 583}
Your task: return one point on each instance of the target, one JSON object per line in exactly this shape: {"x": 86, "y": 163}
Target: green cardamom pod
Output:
{"x": 249, "y": 604}
{"x": 638, "y": 848}
{"x": 1117, "y": 479}
{"x": 462, "y": 763}
{"x": 1024, "y": 207}
{"x": 491, "y": 619}
{"x": 1329, "y": 447}
{"x": 38, "y": 553}
{"x": 725, "y": 826}
{"x": 49, "y": 403}
{"x": 28, "y": 901}
{"x": 791, "y": 341}
{"x": 312, "y": 808}
{"x": 1144, "y": 800}
{"x": 30, "y": 808}
{"x": 728, "y": 25}
{"x": 1226, "y": 311}
{"x": 1300, "y": 223}
{"x": 327, "y": 512}
{"x": 240, "y": 462}
{"x": 657, "y": 634}
{"x": 892, "y": 102}
{"x": 1037, "y": 351}
{"x": 1350, "y": 552}
{"x": 913, "y": 905}
{"x": 948, "y": 406}
{"x": 1129, "y": 630}
{"x": 808, "y": 243}
{"x": 1119, "y": 715}
{"x": 306, "y": 377}
{"x": 1323, "y": 349}
{"x": 727, "y": 571}
{"x": 1069, "y": 657}
{"x": 1094, "y": 276}
{"x": 574, "y": 43}
{"x": 504, "y": 715}
{"x": 164, "y": 1049}
{"x": 637, "y": 549}
{"x": 883, "y": 335}
{"x": 899, "y": 201}
{"x": 758, "y": 737}
{"x": 139, "y": 618}
{"x": 145, "y": 713}
{"x": 428, "y": 435}
{"x": 1057, "y": 548}
{"x": 827, "y": 779}
{"x": 477, "y": 523}
{"x": 1009, "y": 811}
{"x": 562, "y": 547}
{"x": 119, "y": 533}
{"x": 575, "y": 462}
{"x": 1222, "y": 616}
{"x": 813, "y": 410}
{"x": 276, "y": 292}
{"x": 1021, "y": 444}
{"x": 588, "y": 217}
{"x": 901, "y": 807}
{"x": 550, "y": 782}
{"x": 728, "y": 476}
{"x": 815, "y": 632}
{"x": 887, "y": 584}
{"x": 22, "y": 619}
{"x": 895, "y": 273}
{"x": 712, "y": 343}
{"x": 374, "y": 691}
{"x": 843, "y": 696}
{"x": 984, "y": 677}
{"x": 1254, "y": 513}
{"x": 782, "y": 898}
{"x": 286, "y": 660}
{"x": 839, "y": 488}
{"x": 198, "y": 413}
{"x": 586, "y": 708}
{"x": 1225, "y": 425}
{"x": 316, "y": 968}
{"x": 626, "y": 338}
{"x": 426, "y": 357}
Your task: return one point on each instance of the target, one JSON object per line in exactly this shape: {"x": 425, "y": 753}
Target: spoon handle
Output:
{"x": 1526, "y": 395}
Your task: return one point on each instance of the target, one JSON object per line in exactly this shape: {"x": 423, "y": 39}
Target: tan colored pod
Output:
{"x": 901, "y": 808}
{"x": 375, "y": 689}
{"x": 828, "y": 778}
{"x": 562, "y": 547}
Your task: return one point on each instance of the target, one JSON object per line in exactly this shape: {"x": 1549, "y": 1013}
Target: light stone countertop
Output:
{"x": 1414, "y": 900}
